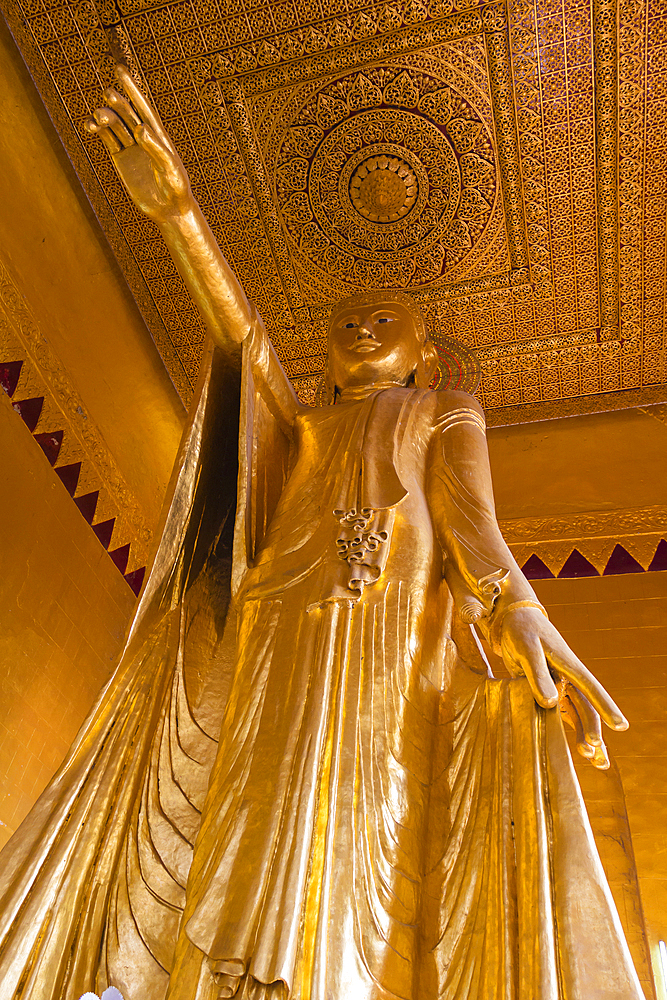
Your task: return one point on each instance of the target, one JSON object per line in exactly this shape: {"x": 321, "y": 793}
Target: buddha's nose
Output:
{"x": 365, "y": 334}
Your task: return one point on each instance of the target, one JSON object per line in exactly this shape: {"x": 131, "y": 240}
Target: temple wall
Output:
{"x": 63, "y": 610}
{"x": 598, "y": 462}
{"x": 57, "y": 258}
{"x": 618, "y": 626}
{"x": 67, "y": 317}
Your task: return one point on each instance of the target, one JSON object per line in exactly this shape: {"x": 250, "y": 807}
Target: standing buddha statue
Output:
{"x": 303, "y": 781}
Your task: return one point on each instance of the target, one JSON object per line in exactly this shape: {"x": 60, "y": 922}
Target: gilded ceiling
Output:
{"x": 506, "y": 163}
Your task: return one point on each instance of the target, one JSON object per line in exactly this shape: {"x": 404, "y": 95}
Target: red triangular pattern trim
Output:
{"x": 10, "y": 373}
{"x": 577, "y": 565}
{"x": 120, "y": 557}
{"x": 87, "y": 504}
{"x": 136, "y": 578}
{"x": 69, "y": 475}
{"x": 104, "y": 531}
{"x": 659, "y": 561}
{"x": 50, "y": 444}
{"x": 29, "y": 410}
{"x": 535, "y": 569}
{"x": 620, "y": 561}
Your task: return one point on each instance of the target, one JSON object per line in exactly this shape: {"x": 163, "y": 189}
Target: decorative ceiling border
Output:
{"x": 247, "y": 144}
{"x": 632, "y": 156}
{"x": 605, "y": 86}
{"x": 496, "y": 32}
{"x": 278, "y": 72}
{"x": 658, "y": 412}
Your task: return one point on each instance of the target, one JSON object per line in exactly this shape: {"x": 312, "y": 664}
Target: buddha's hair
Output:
{"x": 379, "y": 298}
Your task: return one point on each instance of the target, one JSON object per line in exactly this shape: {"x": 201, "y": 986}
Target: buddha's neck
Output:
{"x": 353, "y": 392}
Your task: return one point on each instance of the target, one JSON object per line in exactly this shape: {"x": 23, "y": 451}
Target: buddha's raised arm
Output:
{"x": 488, "y": 586}
{"x": 157, "y": 182}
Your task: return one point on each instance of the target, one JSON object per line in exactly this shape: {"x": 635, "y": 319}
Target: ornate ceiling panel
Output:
{"x": 504, "y": 162}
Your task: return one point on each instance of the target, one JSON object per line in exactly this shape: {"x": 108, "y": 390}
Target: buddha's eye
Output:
{"x": 350, "y": 326}
{"x": 383, "y": 319}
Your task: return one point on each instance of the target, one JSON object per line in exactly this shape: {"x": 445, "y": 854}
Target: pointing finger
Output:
{"x": 111, "y": 143}
{"x": 565, "y": 661}
{"x": 122, "y": 107}
{"x": 108, "y": 118}
{"x": 571, "y": 717}
{"x": 146, "y": 111}
{"x": 574, "y": 707}
{"x": 600, "y": 758}
{"x": 589, "y": 717}
{"x": 530, "y": 657}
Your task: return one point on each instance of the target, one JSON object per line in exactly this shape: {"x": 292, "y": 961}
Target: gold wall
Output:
{"x": 63, "y": 610}
{"x": 56, "y": 257}
{"x": 597, "y": 462}
{"x": 67, "y": 314}
{"x": 618, "y": 626}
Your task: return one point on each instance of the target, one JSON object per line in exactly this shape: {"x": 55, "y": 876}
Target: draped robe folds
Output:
{"x": 380, "y": 818}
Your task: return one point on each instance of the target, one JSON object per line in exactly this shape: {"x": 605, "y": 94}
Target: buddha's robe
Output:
{"x": 383, "y": 819}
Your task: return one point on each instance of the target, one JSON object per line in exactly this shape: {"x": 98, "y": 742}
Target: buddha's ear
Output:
{"x": 426, "y": 368}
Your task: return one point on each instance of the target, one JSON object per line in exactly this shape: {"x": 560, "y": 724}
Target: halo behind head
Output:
{"x": 378, "y": 298}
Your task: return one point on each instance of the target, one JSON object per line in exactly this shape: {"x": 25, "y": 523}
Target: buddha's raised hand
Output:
{"x": 158, "y": 184}
{"x": 144, "y": 155}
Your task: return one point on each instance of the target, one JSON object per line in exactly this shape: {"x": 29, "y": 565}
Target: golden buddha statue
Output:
{"x": 303, "y": 781}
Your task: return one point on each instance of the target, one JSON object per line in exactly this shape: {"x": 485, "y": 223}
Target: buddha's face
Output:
{"x": 374, "y": 343}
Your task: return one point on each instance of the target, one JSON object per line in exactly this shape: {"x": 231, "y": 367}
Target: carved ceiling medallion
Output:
{"x": 383, "y": 188}
{"x": 385, "y": 195}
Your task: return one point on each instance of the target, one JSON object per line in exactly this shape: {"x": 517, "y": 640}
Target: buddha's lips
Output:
{"x": 364, "y": 346}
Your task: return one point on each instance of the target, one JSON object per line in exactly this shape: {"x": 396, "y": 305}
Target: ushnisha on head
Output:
{"x": 378, "y": 338}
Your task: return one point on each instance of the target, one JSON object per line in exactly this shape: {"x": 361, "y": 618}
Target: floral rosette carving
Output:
{"x": 386, "y": 179}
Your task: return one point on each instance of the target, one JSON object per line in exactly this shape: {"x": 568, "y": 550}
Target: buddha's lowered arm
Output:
{"x": 490, "y": 590}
